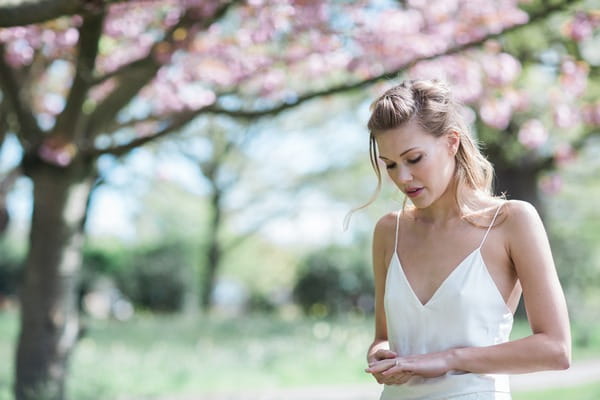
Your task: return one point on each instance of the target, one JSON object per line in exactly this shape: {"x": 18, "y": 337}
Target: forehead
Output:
{"x": 394, "y": 142}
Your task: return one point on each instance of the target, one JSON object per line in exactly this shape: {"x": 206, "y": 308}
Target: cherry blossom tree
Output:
{"x": 81, "y": 79}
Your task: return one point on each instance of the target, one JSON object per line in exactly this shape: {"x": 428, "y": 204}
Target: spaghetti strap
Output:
{"x": 490, "y": 227}
{"x": 396, "y": 238}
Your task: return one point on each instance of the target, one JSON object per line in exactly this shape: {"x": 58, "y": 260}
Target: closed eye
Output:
{"x": 390, "y": 166}
{"x": 415, "y": 160}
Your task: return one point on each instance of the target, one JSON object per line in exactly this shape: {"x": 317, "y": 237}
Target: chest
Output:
{"x": 429, "y": 258}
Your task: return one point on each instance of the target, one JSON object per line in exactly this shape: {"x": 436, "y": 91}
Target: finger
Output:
{"x": 380, "y": 366}
{"x": 393, "y": 370}
{"x": 396, "y": 379}
{"x": 383, "y": 354}
{"x": 384, "y": 380}
{"x": 405, "y": 378}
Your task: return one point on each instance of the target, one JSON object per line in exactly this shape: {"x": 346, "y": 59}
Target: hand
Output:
{"x": 426, "y": 365}
{"x": 396, "y": 379}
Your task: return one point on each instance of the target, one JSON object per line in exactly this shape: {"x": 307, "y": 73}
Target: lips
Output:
{"x": 414, "y": 192}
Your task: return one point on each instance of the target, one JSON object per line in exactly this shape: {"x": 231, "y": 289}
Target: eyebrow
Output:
{"x": 403, "y": 153}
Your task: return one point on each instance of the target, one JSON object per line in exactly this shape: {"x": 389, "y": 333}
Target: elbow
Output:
{"x": 564, "y": 360}
{"x": 561, "y": 357}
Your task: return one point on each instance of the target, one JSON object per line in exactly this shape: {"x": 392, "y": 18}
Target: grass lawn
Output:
{"x": 584, "y": 392}
{"x": 154, "y": 355}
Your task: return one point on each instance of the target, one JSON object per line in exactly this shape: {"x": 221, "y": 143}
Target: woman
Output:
{"x": 450, "y": 269}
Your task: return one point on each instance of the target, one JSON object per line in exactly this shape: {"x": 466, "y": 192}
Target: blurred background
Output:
{"x": 174, "y": 177}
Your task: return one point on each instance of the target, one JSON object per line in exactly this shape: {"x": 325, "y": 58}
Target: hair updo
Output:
{"x": 430, "y": 104}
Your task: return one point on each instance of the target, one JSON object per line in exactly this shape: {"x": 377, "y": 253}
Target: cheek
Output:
{"x": 446, "y": 172}
{"x": 444, "y": 164}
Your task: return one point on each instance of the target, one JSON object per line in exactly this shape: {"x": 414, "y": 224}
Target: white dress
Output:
{"x": 466, "y": 310}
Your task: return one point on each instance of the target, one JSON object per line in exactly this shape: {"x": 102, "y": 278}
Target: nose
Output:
{"x": 404, "y": 175}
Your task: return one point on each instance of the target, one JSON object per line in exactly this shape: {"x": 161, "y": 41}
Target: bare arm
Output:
{"x": 549, "y": 346}
{"x": 380, "y": 233}
{"x": 379, "y": 349}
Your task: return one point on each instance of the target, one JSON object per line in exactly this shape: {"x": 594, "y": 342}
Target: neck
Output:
{"x": 441, "y": 211}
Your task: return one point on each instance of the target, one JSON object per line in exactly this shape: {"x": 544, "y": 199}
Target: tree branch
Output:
{"x": 178, "y": 122}
{"x": 70, "y": 121}
{"x": 115, "y": 127}
{"x": 130, "y": 82}
{"x": 251, "y": 114}
{"x": 26, "y": 12}
{"x": 137, "y": 74}
{"x": 241, "y": 238}
{"x": 29, "y": 129}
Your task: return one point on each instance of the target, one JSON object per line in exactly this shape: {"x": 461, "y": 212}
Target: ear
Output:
{"x": 453, "y": 141}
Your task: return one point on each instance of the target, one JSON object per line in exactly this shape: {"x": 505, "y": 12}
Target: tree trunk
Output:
{"x": 213, "y": 253}
{"x": 49, "y": 315}
{"x": 519, "y": 183}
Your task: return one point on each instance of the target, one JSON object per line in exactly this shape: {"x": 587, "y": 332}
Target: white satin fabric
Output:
{"x": 466, "y": 310}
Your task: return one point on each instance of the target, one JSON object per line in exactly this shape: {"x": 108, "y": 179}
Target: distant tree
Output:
{"x": 222, "y": 157}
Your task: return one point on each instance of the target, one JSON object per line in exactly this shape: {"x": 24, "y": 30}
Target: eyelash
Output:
{"x": 413, "y": 161}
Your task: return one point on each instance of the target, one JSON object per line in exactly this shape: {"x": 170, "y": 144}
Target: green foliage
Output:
{"x": 102, "y": 260}
{"x": 584, "y": 392}
{"x": 158, "y": 277}
{"x": 155, "y": 276}
{"x": 259, "y": 302}
{"x": 10, "y": 272}
{"x": 266, "y": 270}
{"x": 333, "y": 280}
{"x": 573, "y": 225}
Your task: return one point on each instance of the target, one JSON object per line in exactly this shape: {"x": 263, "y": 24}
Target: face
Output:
{"x": 420, "y": 164}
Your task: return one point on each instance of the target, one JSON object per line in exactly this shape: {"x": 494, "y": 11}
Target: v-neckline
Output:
{"x": 440, "y": 287}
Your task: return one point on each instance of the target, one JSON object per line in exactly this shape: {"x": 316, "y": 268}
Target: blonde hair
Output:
{"x": 430, "y": 104}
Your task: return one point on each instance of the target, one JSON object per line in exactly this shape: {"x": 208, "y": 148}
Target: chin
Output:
{"x": 420, "y": 204}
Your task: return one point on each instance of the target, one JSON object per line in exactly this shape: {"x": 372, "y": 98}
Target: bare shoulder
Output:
{"x": 383, "y": 237}
{"x": 524, "y": 229}
{"x": 385, "y": 226}
{"x": 521, "y": 215}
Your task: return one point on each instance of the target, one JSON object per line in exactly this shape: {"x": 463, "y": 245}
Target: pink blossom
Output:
{"x": 196, "y": 97}
{"x": 533, "y": 134}
{"x": 518, "y": 99}
{"x": 69, "y": 37}
{"x": 581, "y": 26}
{"x": 55, "y": 151}
{"x": 53, "y": 103}
{"x": 99, "y": 92}
{"x": 501, "y": 69}
{"x": 573, "y": 77}
{"x": 272, "y": 81}
{"x": 19, "y": 54}
{"x": 551, "y": 184}
{"x": 268, "y": 50}
{"x": 496, "y": 112}
{"x": 564, "y": 153}
{"x": 461, "y": 72}
{"x": 146, "y": 128}
{"x": 443, "y": 10}
{"x": 591, "y": 114}
{"x": 565, "y": 115}
{"x": 397, "y": 23}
